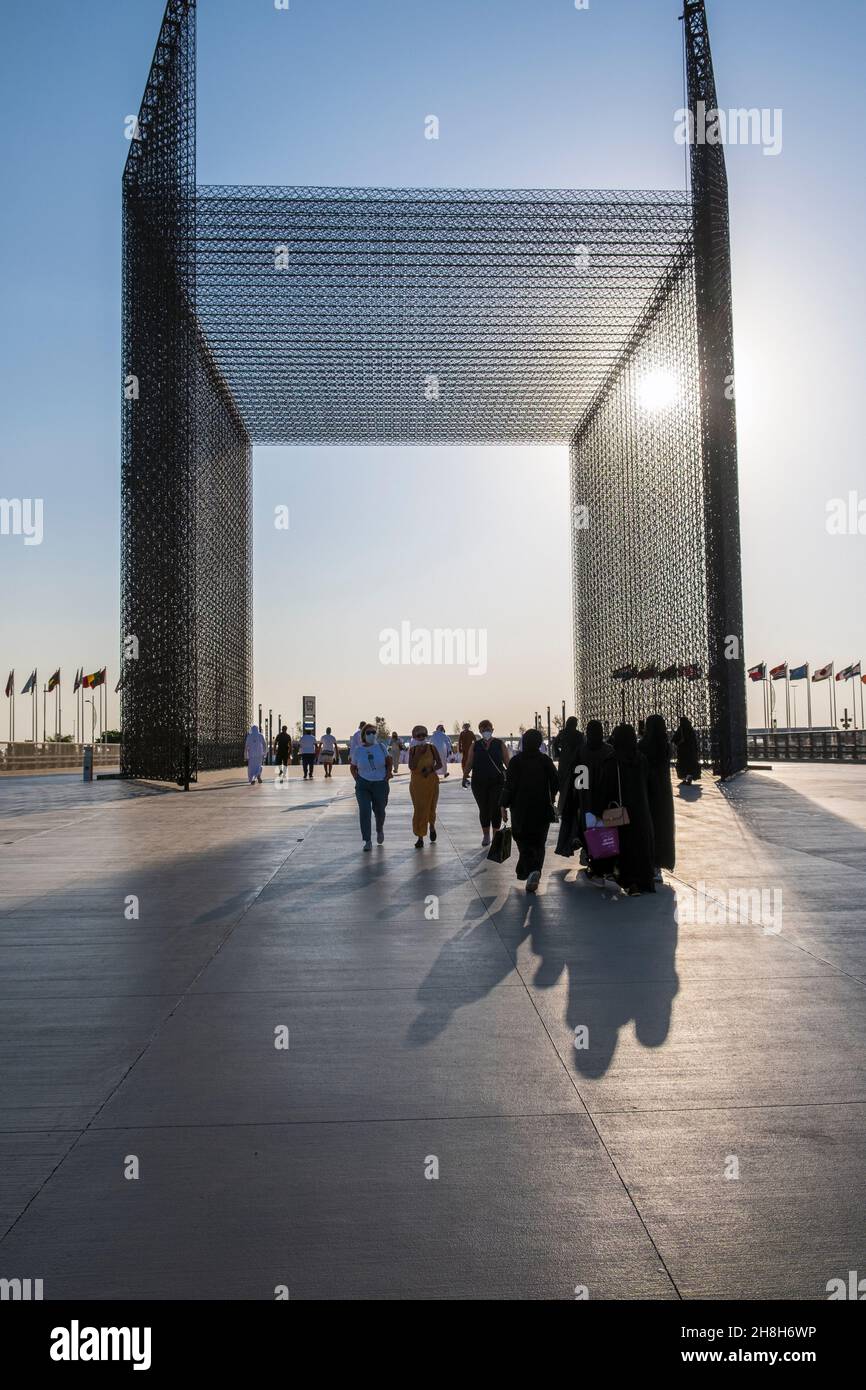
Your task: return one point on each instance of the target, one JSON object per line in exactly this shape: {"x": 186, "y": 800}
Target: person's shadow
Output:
{"x": 690, "y": 792}
{"x": 618, "y": 955}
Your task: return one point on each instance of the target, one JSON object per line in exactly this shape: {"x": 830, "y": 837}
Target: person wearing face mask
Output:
{"x": 485, "y": 772}
{"x": 371, "y": 768}
{"x": 424, "y": 764}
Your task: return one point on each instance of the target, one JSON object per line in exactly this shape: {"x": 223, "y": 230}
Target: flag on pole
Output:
{"x": 691, "y": 672}
{"x": 778, "y": 673}
{"x": 54, "y": 681}
{"x": 648, "y": 673}
{"x": 854, "y": 670}
{"x": 94, "y": 679}
{"x": 119, "y": 685}
{"x": 846, "y": 673}
{"x": 759, "y": 672}
{"x": 669, "y": 673}
{"x": 10, "y": 684}
{"x": 799, "y": 673}
{"x": 29, "y": 685}
{"x": 78, "y": 674}
{"x": 824, "y": 673}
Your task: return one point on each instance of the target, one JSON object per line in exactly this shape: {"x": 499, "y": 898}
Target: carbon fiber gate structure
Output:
{"x": 596, "y": 319}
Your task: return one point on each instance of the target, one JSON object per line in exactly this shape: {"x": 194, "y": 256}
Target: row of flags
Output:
{"x": 801, "y": 673}
{"x": 82, "y": 681}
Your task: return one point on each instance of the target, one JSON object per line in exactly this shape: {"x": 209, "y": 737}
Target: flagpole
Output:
{"x": 787, "y": 696}
{"x": 766, "y": 702}
{"x": 833, "y": 694}
{"x": 45, "y": 714}
{"x": 853, "y": 706}
{"x": 809, "y": 692}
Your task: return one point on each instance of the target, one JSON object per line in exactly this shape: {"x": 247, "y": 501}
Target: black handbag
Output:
{"x": 500, "y": 848}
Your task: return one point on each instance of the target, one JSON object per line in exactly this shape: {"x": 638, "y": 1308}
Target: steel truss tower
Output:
{"x": 597, "y": 319}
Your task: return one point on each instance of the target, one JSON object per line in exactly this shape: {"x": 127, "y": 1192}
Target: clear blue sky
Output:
{"x": 528, "y": 94}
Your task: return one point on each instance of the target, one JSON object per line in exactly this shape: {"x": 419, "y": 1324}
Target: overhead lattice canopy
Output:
{"x": 345, "y": 315}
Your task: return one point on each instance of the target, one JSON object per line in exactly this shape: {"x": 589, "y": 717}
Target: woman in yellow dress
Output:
{"x": 424, "y": 763}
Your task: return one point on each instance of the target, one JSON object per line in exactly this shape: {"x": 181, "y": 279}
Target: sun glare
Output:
{"x": 658, "y": 390}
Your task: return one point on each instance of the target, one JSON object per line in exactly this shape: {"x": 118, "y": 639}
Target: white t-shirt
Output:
{"x": 369, "y": 759}
{"x": 329, "y": 743}
{"x": 354, "y": 741}
{"x": 307, "y": 743}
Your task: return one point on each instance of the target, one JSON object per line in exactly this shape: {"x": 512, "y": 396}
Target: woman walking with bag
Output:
{"x": 424, "y": 763}
{"x": 623, "y": 795}
{"x": 531, "y": 787}
{"x": 485, "y": 766}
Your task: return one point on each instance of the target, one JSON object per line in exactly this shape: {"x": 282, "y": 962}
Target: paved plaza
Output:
{"x": 653, "y": 1098}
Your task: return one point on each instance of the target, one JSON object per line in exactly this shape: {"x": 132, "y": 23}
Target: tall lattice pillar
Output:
{"x": 185, "y": 482}
{"x": 711, "y": 235}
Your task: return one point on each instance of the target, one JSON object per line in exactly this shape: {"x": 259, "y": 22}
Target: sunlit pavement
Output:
{"x": 287, "y": 1040}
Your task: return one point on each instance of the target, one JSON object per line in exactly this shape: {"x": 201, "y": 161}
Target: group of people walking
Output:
{"x": 621, "y": 785}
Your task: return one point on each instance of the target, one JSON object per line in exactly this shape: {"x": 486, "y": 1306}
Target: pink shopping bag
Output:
{"x": 602, "y": 841}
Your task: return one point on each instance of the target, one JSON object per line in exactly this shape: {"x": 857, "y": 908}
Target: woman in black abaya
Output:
{"x": 531, "y": 785}
{"x": 656, "y": 748}
{"x": 570, "y": 742}
{"x": 688, "y": 757}
{"x": 624, "y": 781}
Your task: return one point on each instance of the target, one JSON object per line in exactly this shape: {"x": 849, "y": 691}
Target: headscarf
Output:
{"x": 655, "y": 743}
{"x": 594, "y": 734}
{"x": 624, "y": 740}
{"x": 685, "y": 730}
{"x": 532, "y": 741}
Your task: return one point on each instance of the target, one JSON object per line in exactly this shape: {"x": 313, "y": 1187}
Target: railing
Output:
{"x": 56, "y": 757}
{"x": 808, "y": 746}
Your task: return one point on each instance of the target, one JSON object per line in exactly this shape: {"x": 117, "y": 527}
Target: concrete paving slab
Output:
{"x": 431, "y": 1009}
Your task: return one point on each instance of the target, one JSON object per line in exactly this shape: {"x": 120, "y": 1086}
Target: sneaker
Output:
{"x": 380, "y": 837}
{"x": 533, "y": 881}
{"x": 432, "y": 835}
{"x": 597, "y": 880}
{"x": 368, "y": 845}
{"x": 632, "y": 892}
{"x": 419, "y": 843}
{"x": 486, "y": 840}
{"x": 658, "y": 877}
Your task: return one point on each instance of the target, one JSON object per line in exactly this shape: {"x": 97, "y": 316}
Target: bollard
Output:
{"x": 88, "y": 762}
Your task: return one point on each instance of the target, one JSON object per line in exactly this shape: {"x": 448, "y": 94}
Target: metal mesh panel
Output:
{"x": 158, "y": 579}
{"x": 638, "y": 539}
{"x": 329, "y": 309}
{"x": 711, "y": 234}
{"x": 224, "y": 624}
{"x": 185, "y": 486}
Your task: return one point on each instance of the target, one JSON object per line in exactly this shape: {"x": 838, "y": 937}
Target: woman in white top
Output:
{"x": 328, "y": 750}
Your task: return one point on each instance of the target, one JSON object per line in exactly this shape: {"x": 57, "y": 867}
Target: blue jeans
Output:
{"x": 372, "y": 797}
